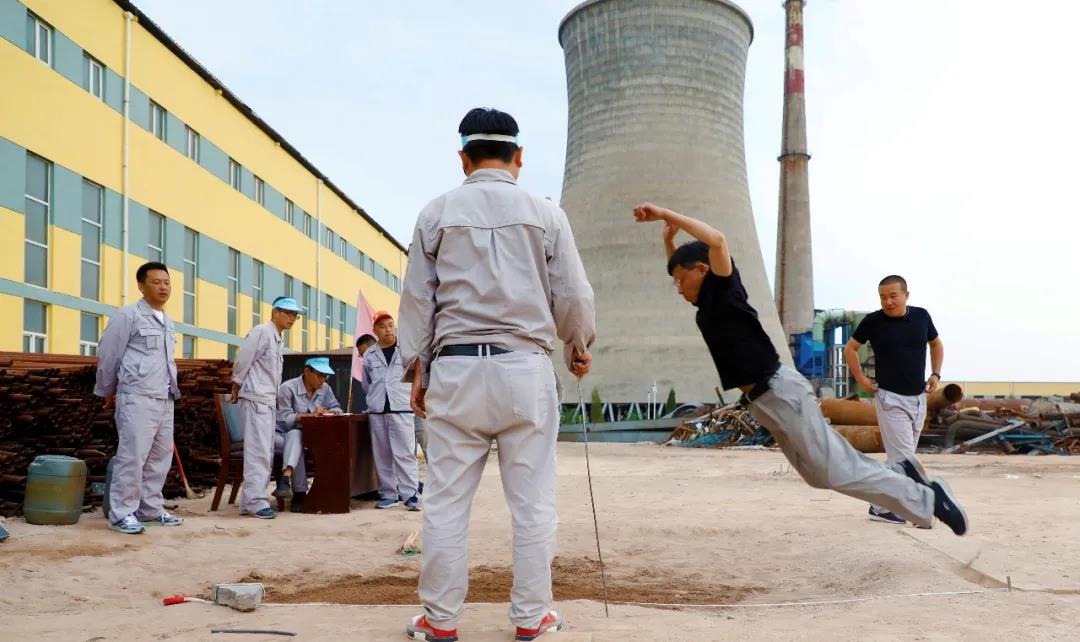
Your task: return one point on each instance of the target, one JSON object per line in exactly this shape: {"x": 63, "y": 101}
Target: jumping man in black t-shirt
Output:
{"x": 778, "y": 396}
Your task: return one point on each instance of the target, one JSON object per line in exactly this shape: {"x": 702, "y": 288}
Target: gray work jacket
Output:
{"x": 492, "y": 263}
{"x": 382, "y": 380}
{"x": 257, "y": 368}
{"x": 136, "y": 354}
{"x": 293, "y": 399}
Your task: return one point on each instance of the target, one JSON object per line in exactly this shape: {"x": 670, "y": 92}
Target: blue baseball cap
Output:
{"x": 320, "y": 364}
{"x": 288, "y": 303}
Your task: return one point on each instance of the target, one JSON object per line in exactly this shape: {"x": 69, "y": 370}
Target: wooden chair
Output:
{"x": 231, "y": 466}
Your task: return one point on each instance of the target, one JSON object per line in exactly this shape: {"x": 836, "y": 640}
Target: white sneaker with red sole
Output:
{"x": 419, "y": 629}
{"x": 551, "y": 622}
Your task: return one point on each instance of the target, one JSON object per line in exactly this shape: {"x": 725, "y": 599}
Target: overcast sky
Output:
{"x": 943, "y": 135}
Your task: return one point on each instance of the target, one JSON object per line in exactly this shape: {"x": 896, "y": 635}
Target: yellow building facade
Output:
{"x": 117, "y": 148}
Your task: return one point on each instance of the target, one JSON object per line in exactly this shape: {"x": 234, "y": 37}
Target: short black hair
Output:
{"x": 688, "y": 255}
{"x": 140, "y": 274}
{"x": 365, "y": 338}
{"x": 486, "y": 120}
{"x": 894, "y": 278}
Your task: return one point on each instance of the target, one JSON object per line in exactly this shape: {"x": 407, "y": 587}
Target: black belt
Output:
{"x": 471, "y": 350}
{"x": 751, "y": 395}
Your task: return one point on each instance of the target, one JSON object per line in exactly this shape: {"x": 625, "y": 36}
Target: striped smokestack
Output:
{"x": 794, "y": 265}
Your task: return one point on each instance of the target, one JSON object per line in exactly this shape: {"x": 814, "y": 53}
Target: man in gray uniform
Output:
{"x": 779, "y": 397}
{"x": 137, "y": 372}
{"x": 390, "y": 418}
{"x": 494, "y": 280}
{"x": 256, "y": 377}
{"x": 305, "y": 396}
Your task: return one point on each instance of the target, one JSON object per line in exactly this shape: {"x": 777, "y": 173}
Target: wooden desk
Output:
{"x": 331, "y": 440}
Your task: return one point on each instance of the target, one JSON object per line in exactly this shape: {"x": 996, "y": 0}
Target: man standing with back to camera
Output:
{"x": 494, "y": 279}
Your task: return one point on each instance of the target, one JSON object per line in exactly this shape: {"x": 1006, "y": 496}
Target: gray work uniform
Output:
{"x": 136, "y": 363}
{"x": 825, "y": 459}
{"x": 293, "y": 399}
{"x": 491, "y": 264}
{"x": 900, "y": 420}
{"x": 257, "y": 370}
{"x": 390, "y": 419}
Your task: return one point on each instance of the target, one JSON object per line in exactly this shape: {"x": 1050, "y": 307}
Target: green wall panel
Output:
{"x": 12, "y": 173}
{"x": 67, "y": 58}
{"x": 13, "y": 23}
{"x": 66, "y": 206}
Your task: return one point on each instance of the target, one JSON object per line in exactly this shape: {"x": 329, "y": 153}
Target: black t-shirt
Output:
{"x": 388, "y": 353}
{"x": 741, "y": 350}
{"x": 899, "y": 345}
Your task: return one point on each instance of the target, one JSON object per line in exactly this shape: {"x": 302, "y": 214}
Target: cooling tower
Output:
{"x": 655, "y": 92}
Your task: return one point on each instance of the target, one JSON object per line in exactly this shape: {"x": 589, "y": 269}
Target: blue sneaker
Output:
{"x": 388, "y": 503}
{"x": 262, "y": 513}
{"x": 412, "y": 504}
{"x": 128, "y": 526}
{"x": 164, "y": 519}
{"x": 886, "y": 516}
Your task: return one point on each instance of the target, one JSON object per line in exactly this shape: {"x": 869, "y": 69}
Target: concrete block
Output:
{"x": 242, "y": 597}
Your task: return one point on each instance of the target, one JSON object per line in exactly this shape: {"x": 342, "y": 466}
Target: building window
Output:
{"x": 232, "y": 352}
{"x": 329, "y": 316}
{"x": 303, "y": 321}
{"x": 307, "y": 225}
{"x": 343, "y": 247}
{"x": 289, "y": 215}
{"x": 189, "y": 347}
{"x": 260, "y": 191}
{"x": 155, "y": 238}
{"x": 234, "y": 174}
{"x": 93, "y": 207}
{"x": 157, "y": 120}
{"x": 370, "y": 266}
{"x": 39, "y": 38}
{"x": 361, "y": 258}
{"x": 36, "y": 221}
{"x": 93, "y": 77}
{"x": 234, "y": 288}
{"x": 192, "y": 144}
{"x": 256, "y": 293}
{"x": 34, "y": 329}
{"x": 191, "y": 243}
{"x": 88, "y": 334}
{"x": 289, "y": 293}
{"x": 341, "y": 324}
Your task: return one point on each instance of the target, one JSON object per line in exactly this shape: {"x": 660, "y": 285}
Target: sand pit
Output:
{"x": 571, "y": 579}
{"x": 679, "y": 526}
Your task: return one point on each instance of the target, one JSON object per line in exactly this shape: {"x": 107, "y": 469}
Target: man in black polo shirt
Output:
{"x": 778, "y": 396}
{"x": 899, "y": 334}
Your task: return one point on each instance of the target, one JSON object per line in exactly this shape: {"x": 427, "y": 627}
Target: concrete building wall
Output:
{"x": 656, "y": 114}
{"x": 50, "y": 113}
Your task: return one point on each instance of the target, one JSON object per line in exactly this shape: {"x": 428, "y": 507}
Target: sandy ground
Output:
{"x": 677, "y": 525}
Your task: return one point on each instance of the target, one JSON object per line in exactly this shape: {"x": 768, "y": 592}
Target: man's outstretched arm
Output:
{"x": 719, "y": 254}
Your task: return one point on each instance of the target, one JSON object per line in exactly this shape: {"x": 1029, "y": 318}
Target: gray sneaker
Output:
{"x": 164, "y": 519}
{"x": 128, "y": 526}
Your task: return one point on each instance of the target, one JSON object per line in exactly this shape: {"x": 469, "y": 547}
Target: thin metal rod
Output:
{"x": 592, "y": 500}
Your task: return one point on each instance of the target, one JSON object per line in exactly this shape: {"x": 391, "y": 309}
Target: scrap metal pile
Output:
{"x": 47, "y": 406}
{"x": 726, "y": 427}
{"x": 953, "y": 425}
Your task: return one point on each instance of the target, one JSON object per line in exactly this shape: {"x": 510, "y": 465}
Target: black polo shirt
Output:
{"x": 742, "y": 352}
{"x": 899, "y": 345}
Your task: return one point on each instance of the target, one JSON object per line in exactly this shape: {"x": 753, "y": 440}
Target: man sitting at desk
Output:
{"x": 305, "y": 396}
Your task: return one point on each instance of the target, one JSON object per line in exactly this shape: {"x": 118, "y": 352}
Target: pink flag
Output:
{"x": 364, "y": 314}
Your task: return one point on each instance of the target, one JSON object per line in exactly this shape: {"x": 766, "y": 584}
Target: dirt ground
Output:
{"x": 679, "y": 526}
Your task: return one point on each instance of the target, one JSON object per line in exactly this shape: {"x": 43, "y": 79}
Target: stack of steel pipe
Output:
{"x": 47, "y": 406}
{"x": 857, "y": 420}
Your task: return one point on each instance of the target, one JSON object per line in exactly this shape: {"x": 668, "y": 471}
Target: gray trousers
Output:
{"x": 900, "y": 418}
{"x": 509, "y": 398}
{"x": 257, "y": 420}
{"x": 291, "y": 447}
{"x": 826, "y": 460}
{"x": 421, "y": 434}
{"x": 143, "y": 457}
{"x": 393, "y": 444}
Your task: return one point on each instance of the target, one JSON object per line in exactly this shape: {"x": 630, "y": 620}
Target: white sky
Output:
{"x": 943, "y": 135}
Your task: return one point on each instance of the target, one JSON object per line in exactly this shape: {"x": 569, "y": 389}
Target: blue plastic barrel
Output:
{"x": 54, "y": 490}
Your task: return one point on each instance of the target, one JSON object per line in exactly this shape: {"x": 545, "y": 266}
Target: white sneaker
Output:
{"x": 128, "y": 526}
{"x": 164, "y": 519}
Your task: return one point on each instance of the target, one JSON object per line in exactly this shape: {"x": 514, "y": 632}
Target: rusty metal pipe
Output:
{"x": 844, "y": 412}
{"x": 865, "y": 439}
{"x": 944, "y": 397}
